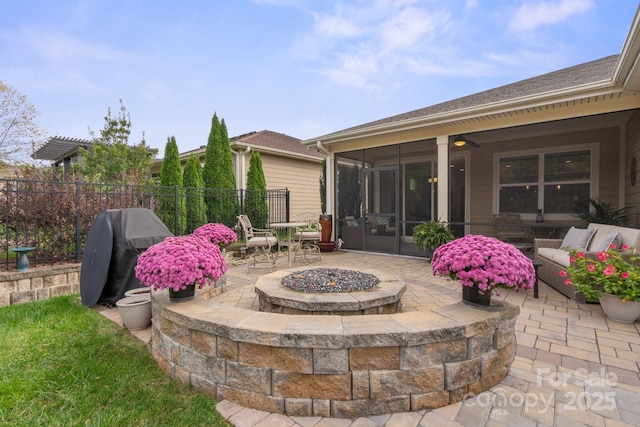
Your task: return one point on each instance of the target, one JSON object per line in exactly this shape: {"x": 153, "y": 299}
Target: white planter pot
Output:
{"x": 135, "y": 311}
{"x": 135, "y": 292}
{"x": 615, "y": 309}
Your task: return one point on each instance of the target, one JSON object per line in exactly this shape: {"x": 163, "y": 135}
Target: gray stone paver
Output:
{"x": 560, "y": 344}
{"x": 276, "y": 420}
{"x": 404, "y": 419}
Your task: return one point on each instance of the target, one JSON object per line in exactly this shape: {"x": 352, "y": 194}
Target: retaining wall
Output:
{"x": 39, "y": 283}
{"x": 334, "y": 366}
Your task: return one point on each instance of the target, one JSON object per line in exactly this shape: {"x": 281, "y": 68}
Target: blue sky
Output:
{"x": 300, "y": 67}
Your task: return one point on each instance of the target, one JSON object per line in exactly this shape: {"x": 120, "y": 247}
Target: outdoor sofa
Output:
{"x": 553, "y": 254}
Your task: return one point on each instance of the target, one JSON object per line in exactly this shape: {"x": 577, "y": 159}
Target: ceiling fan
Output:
{"x": 460, "y": 141}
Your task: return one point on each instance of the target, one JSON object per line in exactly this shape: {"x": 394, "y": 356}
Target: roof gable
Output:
{"x": 274, "y": 141}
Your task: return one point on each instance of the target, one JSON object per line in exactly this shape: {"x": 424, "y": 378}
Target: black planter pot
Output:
{"x": 471, "y": 294}
{"x": 183, "y": 294}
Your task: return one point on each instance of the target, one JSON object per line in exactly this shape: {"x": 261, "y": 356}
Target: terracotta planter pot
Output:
{"x": 615, "y": 309}
{"x": 326, "y": 222}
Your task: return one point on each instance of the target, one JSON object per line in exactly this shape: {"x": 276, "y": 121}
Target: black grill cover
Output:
{"x": 116, "y": 238}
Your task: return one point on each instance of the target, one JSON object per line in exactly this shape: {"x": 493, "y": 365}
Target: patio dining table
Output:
{"x": 289, "y": 226}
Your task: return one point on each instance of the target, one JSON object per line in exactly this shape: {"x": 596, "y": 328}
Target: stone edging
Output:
{"x": 39, "y": 283}
{"x": 333, "y": 366}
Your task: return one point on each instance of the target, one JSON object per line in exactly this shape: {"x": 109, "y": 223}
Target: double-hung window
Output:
{"x": 551, "y": 181}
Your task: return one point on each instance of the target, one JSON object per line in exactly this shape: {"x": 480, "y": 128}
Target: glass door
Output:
{"x": 380, "y": 205}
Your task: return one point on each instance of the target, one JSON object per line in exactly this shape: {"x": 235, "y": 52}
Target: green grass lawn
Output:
{"x": 62, "y": 364}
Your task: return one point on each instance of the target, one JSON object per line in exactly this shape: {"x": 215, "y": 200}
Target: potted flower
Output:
{"x": 218, "y": 234}
{"x": 482, "y": 263}
{"x": 180, "y": 264}
{"x": 611, "y": 277}
{"x": 428, "y": 235}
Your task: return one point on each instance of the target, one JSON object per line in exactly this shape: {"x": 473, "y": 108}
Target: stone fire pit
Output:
{"x": 330, "y": 291}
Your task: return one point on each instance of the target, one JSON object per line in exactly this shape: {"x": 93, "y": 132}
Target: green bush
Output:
{"x": 194, "y": 194}
{"x": 428, "y": 235}
{"x": 255, "y": 201}
{"x": 171, "y": 181}
{"x": 222, "y": 206}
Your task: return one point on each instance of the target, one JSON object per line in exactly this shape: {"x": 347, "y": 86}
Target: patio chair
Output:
{"x": 307, "y": 236}
{"x": 509, "y": 229}
{"x": 260, "y": 241}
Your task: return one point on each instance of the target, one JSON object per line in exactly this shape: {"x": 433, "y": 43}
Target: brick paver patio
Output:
{"x": 573, "y": 366}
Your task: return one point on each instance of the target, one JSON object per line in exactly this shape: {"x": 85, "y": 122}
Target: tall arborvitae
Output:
{"x": 255, "y": 202}
{"x": 194, "y": 193}
{"x": 221, "y": 195}
{"x": 171, "y": 189}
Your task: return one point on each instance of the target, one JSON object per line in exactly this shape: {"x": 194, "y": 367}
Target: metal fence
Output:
{"x": 55, "y": 217}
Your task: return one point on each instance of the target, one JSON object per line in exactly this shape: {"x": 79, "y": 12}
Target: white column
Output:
{"x": 330, "y": 183}
{"x": 241, "y": 167}
{"x": 442, "y": 142}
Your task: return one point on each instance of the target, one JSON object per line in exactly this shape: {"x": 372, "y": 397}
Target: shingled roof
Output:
{"x": 601, "y": 70}
{"x": 267, "y": 140}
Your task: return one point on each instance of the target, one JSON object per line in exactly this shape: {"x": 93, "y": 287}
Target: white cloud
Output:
{"x": 409, "y": 28}
{"x": 335, "y": 26}
{"x": 62, "y": 48}
{"x": 361, "y": 45}
{"x": 470, "y": 5}
{"x": 534, "y": 14}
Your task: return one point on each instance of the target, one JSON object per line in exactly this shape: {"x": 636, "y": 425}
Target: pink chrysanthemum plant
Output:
{"x": 178, "y": 262}
{"x": 218, "y": 234}
{"x": 614, "y": 271}
{"x": 485, "y": 262}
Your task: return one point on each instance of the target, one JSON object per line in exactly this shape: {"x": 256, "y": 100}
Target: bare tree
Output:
{"x": 19, "y": 133}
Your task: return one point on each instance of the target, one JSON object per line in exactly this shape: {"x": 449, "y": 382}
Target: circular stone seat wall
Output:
{"x": 334, "y": 366}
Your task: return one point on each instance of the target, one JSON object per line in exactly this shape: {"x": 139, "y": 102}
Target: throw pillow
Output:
{"x": 577, "y": 239}
{"x": 382, "y": 220}
{"x": 611, "y": 239}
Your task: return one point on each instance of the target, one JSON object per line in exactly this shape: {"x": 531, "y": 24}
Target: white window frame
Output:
{"x": 594, "y": 148}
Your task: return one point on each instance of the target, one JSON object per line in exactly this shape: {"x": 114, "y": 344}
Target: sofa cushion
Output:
{"x": 604, "y": 244}
{"x": 629, "y": 236}
{"x": 559, "y": 256}
{"x": 577, "y": 239}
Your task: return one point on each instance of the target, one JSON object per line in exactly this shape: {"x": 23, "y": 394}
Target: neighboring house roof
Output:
{"x": 277, "y": 143}
{"x": 265, "y": 141}
{"x": 58, "y": 148}
{"x": 604, "y": 85}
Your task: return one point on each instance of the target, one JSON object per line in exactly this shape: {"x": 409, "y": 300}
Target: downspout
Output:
{"x": 321, "y": 148}
{"x": 241, "y": 176}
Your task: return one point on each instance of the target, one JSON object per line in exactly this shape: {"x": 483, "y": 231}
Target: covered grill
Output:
{"x": 116, "y": 238}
